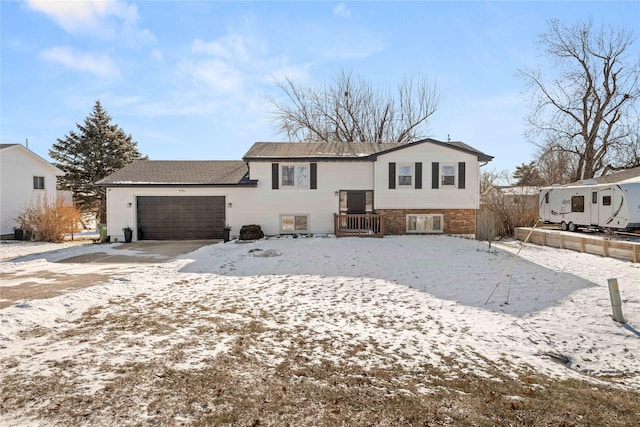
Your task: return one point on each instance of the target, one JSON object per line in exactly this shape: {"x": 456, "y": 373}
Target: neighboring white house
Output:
{"x": 288, "y": 188}
{"x": 25, "y": 178}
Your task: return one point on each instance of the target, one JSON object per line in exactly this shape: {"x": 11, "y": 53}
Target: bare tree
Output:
{"x": 349, "y": 109}
{"x": 629, "y": 152}
{"x": 505, "y": 207}
{"x": 556, "y": 166}
{"x": 581, "y": 110}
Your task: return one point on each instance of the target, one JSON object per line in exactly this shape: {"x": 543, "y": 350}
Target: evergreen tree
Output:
{"x": 97, "y": 149}
{"x": 527, "y": 174}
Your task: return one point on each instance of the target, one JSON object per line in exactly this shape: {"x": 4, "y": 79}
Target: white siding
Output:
{"x": 261, "y": 205}
{"x": 319, "y": 204}
{"x": 427, "y": 198}
{"x": 264, "y": 206}
{"x": 121, "y": 205}
{"x": 18, "y": 166}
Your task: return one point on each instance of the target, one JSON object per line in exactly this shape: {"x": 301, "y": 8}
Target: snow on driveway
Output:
{"x": 420, "y": 299}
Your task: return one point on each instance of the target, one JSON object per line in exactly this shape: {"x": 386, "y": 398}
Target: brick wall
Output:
{"x": 456, "y": 221}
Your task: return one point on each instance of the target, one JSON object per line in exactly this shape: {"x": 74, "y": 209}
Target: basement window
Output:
{"x": 294, "y": 223}
{"x": 425, "y": 223}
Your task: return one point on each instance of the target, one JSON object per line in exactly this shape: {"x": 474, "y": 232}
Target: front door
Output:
{"x": 356, "y": 202}
{"x": 606, "y": 207}
{"x": 594, "y": 208}
{"x": 546, "y": 206}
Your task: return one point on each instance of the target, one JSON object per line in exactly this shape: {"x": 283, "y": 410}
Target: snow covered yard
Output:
{"x": 325, "y": 331}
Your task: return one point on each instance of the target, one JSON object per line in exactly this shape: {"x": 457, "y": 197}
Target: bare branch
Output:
{"x": 579, "y": 108}
{"x": 349, "y": 109}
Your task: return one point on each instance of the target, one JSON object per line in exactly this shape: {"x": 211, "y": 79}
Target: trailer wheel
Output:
{"x": 563, "y": 226}
{"x": 572, "y": 227}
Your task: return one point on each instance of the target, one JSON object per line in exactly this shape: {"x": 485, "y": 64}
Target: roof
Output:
{"x": 341, "y": 150}
{"x": 180, "y": 172}
{"x": 33, "y": 155}
{"x": 518, "y": 190}
{"x": 625, "y": 175}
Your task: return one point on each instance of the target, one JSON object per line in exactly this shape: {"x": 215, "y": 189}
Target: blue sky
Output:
{"x": 188, "y": 80}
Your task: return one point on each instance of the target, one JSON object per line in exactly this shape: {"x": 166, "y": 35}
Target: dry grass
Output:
{"x": 174, "y": 379}
{"x": 237, "y": 391}
{"x": 49, "y": 220}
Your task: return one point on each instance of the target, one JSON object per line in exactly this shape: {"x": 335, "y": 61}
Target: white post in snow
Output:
{"x": 616, "y": 303}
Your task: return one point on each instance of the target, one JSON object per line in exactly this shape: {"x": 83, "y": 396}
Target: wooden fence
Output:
{"x": 355, "y": 225}
{"x": 579, "y": 242}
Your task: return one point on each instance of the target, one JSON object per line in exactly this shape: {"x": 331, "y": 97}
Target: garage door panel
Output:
{"x": 181, "y": 217}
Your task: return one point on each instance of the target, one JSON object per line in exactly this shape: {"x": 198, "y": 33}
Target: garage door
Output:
{"x": 180, "y": 217}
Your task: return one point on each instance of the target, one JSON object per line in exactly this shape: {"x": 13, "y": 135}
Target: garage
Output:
{"x": 180, "y": 217}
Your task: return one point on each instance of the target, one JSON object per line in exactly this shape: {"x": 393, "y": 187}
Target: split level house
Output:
{"x": 25, "y": 179}
{"x": 426, "y": 186}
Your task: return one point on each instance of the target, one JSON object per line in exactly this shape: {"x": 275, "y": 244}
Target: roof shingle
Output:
{"x": 341, "y": 150}
{"x": 172, "y": 172}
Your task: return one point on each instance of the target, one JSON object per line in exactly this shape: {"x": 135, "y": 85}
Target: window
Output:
{"x": 405, "y": 175}
{"x": 577, "y": 203}
{"x": 594, "y": 197}
{"x": 448, "y": 175}
{"x": 422, "y": 223}
{"x": 38, "y": 182}
{"x": 606, "y": 200}
{"x": 294, "y": 223}
{"x": 294, "y": 176}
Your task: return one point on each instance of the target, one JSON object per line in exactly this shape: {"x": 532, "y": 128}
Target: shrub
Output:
{"x": 49, "y": 221}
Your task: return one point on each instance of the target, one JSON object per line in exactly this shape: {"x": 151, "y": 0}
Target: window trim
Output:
{"x": 429, "y": 220}
{"x": 294, "y": 165}
{"x": 38, "y": 182}
{"x": 411, "y": 167}
{"x": 442, "y": 175}
{"x": 577, "y": 203}
{"x": 294, "y": 231}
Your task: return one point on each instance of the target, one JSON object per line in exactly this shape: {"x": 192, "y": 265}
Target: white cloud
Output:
{"x": 231, "y": 61}
{"x": 157, "y": 54}
{"x": 342, "y": 11}
{"x": 102, "y": 18}
{"x": 216, "y": 74}
{"x": 101, "y": 65}
{"x": 231, "y": 47}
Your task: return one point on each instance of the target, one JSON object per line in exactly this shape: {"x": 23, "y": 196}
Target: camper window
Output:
{"x": 606, "y": 200}
{"x": 577, "y": 203}
{"x": 594, "y": 197}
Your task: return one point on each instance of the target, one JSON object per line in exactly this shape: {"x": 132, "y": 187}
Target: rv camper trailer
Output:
{"x": 601, "y": 206}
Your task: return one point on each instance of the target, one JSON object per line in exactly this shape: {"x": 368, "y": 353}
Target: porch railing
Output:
{"x": 358, "y": 225}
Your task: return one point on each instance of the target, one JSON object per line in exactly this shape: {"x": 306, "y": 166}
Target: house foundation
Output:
{"x": 455, "y": 221}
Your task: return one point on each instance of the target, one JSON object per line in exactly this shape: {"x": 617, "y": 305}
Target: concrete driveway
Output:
{"x": 147, "y": 251}
{"x": 28, "y": 278}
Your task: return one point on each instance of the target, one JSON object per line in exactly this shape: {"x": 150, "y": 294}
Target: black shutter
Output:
{"x": 313, "y": 170}
{"x": 461, "y": 174}
{"x": 275, "y": 180}
{"x": 392, "y": 176}
{"x": 418, "y": 175}
{"x": 435, "y": 174}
